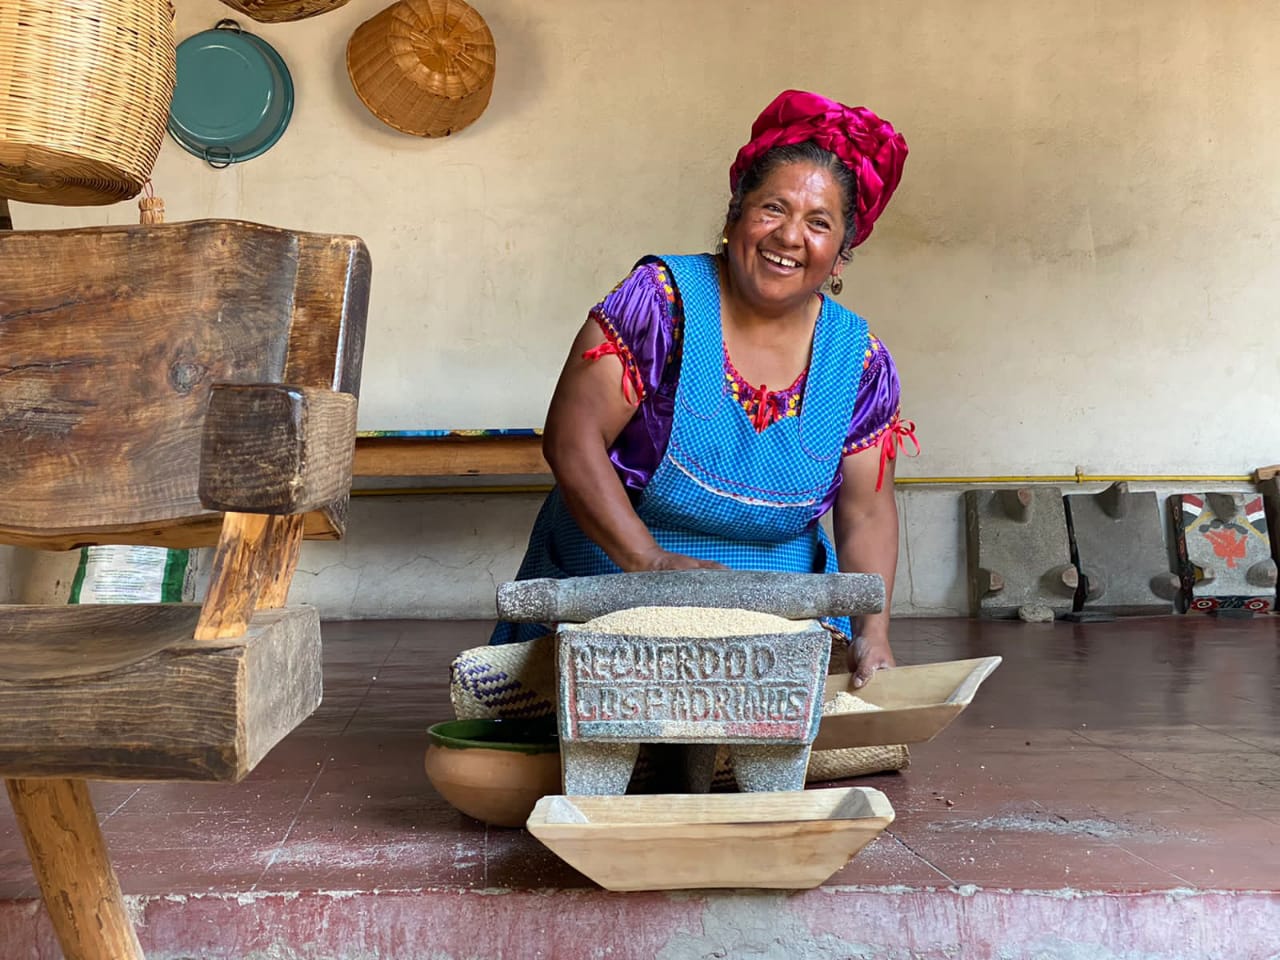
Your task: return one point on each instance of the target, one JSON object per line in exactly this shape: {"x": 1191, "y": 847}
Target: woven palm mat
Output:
{"x": 518, "y": 681}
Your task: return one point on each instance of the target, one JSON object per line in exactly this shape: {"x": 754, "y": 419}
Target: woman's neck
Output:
{"x": 766, "y": 346}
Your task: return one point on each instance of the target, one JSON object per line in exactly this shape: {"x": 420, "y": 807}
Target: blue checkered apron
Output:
{"x": 724, "y": 492}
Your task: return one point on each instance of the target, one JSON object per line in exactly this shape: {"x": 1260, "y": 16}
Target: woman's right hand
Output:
{"x": 661, "y": 559}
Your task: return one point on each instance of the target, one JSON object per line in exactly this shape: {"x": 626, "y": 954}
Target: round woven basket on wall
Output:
{"x": 86, "y": 89}
{"x": 281, "y": 11}
{"x": 424, "y": 67}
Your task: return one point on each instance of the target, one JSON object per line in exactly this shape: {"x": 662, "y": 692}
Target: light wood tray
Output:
{"x": 785, "y": 841}
{"x": 917, "y": 703}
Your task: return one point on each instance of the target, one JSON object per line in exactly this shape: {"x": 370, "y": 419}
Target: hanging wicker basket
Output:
{"x": 84, "y": 97}
{"x": 424, "y": 67}
{"x": 281, "y": 11}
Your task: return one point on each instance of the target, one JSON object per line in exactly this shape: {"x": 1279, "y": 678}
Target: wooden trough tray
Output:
{"x": 916, "y": 703}
{"x": 789, "y": 840}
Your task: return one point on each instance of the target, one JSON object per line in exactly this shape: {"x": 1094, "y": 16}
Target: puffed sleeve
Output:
{"x": 638, "y": 322}
{"x": 877, "y": 414}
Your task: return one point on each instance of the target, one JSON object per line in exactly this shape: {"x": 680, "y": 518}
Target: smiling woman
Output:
{"x": 669, "y": 447}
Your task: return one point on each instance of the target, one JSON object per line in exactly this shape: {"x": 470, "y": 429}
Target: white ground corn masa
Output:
{"x": 847, "y": 703}
{"x": 691, "y": 622}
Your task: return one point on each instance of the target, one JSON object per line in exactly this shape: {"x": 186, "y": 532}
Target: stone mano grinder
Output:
{"x": 656, "y": 679}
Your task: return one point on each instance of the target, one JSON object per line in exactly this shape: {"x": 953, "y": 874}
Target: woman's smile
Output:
{"x": 784, "y": 262}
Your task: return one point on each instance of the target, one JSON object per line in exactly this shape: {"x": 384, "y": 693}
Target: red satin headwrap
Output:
{"x": 869, "y": 146}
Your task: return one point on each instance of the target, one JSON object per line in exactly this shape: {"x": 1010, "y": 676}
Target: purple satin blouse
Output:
{"x": 641, "y": 320}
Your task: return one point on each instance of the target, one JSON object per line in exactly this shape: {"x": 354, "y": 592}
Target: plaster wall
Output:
{"x": 1077, "y": 270}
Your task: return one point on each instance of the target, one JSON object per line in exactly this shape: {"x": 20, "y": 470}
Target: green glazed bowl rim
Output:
{"x": 528, "y": 736}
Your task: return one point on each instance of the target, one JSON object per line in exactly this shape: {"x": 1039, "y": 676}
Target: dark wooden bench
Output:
{"x": 421, "y": 453}
{"x": 175, "y": 385}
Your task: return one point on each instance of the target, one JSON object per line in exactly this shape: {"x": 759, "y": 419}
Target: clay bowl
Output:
{"x": 494, "y": 770}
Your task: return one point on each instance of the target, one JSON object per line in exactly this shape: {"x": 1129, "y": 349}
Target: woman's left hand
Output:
{"x": 866, "y": 656}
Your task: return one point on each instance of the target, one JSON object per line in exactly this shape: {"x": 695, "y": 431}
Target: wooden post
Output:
{"x": 252, "y": 570}
{"x": 281, "y": 561}
{"x": 237, "y": 576}
{"x": 70, "y": 861}
{"x": 6, "y": 221}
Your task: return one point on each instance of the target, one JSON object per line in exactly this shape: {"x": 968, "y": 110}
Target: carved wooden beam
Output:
{"x": 276, "y": 449}
{"x": 137, "y": 698}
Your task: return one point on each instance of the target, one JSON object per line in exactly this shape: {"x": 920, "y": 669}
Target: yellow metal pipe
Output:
{"x": 1065, "y": 478}
{"x": 1156, "y": 478}
{"x": 1081, "y": 477}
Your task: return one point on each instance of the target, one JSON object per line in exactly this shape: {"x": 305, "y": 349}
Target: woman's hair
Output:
{"x": 806, "y": 152}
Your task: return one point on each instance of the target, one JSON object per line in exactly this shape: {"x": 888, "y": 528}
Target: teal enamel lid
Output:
{"x": 233, "y": 98}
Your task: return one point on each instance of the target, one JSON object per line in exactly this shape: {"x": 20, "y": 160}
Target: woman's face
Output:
{"x": 787, "y": 240}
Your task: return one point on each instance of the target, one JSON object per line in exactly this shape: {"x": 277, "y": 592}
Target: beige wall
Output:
{"x": 1079, "y": 268}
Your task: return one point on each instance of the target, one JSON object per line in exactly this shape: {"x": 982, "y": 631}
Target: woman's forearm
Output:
{"x": 587, "y": 413}
{"x": 597, "y": 500}
{"x": 868, "y": 543}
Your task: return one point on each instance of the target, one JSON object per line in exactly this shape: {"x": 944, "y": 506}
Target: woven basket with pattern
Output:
{"x": 84, "y": 97}
{"x": 506, "y": 681}
{"x": 281, "y": 11}
{"x": 424, "y": 67}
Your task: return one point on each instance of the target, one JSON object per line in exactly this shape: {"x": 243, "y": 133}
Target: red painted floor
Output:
{"x": 1114, "y": 790}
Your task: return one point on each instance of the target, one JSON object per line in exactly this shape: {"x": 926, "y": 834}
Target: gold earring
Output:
{"x": 836, "y": 285}
{"x": 724, "y": 239}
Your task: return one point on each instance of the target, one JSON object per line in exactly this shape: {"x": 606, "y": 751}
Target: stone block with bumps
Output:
{"x": 1270, "y": 488}
{"x": 1222, "y": 549}
{"x": 1019, "y": 553}
{"x": 1120, "y": 552}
